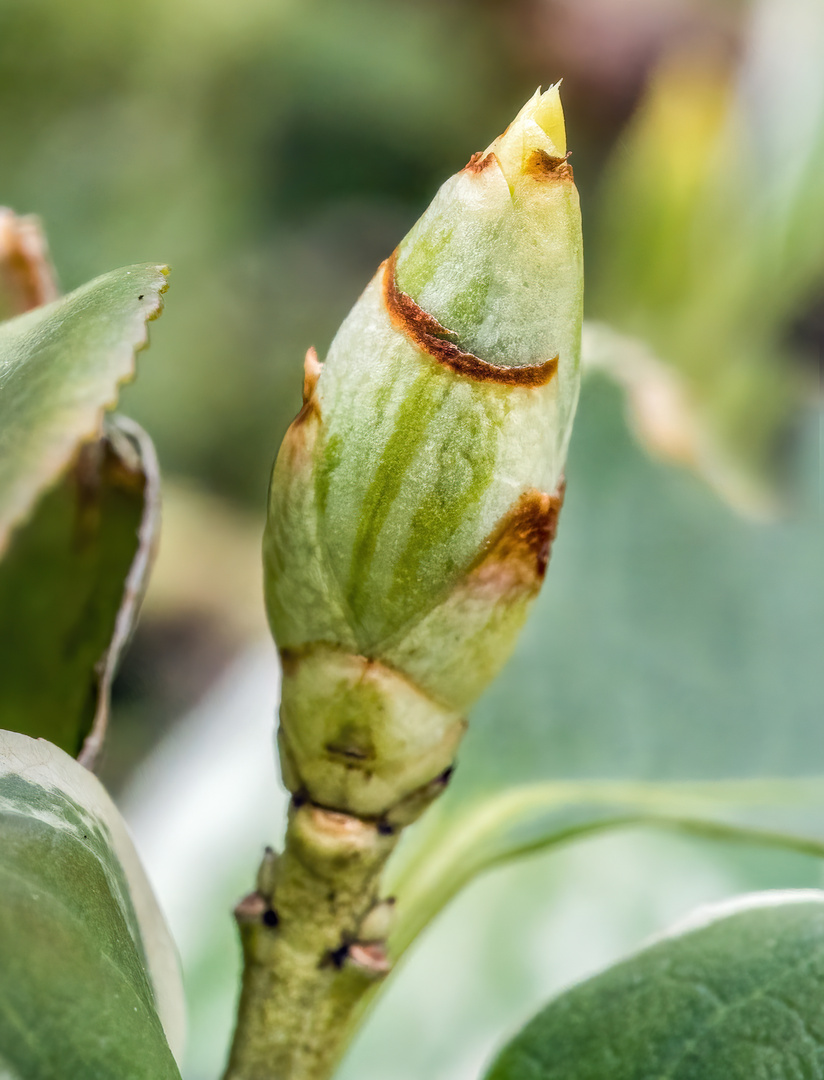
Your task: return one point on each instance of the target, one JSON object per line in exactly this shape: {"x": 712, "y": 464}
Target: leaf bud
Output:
{"x": 415, "y": 497}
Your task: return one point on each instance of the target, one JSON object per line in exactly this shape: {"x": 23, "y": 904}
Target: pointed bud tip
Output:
{"x": 538, "y": 131}
{"x": 548, "y": 113}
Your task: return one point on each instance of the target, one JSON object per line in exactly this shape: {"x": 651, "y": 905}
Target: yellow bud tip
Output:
{"x": 548, "y": 113}
{"x": 537, "y": 130}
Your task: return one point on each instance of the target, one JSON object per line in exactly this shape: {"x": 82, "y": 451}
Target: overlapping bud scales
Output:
{"x": 415, "y": 497}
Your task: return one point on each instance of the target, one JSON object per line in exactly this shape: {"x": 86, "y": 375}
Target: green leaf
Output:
{"x": 87, "y": 969}
{"x": 671, "y": 673}
{"x": 732, "y": 995}
{"x": 70, "y": 587}
{"x": 77, "y": 511}
{"x": 60, "y": 368}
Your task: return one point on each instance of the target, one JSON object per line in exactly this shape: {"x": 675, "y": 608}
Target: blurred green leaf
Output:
{"x": 70, "y": 587}
{"x": 730, "y": 997}
{"x": 671, "y": 672}
{"x": 60, "y": 369}
{"x": 128, "y": 142}
{"x": 86, "y": 959}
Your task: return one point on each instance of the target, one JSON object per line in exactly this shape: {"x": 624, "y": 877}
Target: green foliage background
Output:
{"x": 274, "y": 151}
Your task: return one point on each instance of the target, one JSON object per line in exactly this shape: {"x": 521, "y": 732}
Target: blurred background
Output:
{"x": 274, "y": 152}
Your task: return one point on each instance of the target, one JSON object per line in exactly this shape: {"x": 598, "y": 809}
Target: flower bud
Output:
{"x": 415, "y": 496}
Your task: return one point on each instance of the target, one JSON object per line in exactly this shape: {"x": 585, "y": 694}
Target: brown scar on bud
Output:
{"x": 26, "y": 268}
{"x": 479, "y": 161}
{"x": 516, "y": 553}
{"x": 429, "y": 336}
{"x": 544, "y": 166}
{"x": 311, "y": 373}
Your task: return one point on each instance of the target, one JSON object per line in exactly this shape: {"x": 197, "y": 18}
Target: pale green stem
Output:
{"x": 305, "y": 965}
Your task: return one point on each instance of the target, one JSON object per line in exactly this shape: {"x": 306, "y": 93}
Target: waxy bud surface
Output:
{"x": 415, "y": 496}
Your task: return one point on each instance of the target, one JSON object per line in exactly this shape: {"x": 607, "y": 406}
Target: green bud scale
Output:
{"x": 415, "y": 497}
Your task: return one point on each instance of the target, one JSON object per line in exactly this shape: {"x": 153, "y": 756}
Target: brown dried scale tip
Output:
{"x": 479, "y": 161}
{"x": 26, "y": 272}
{"x": 543, "y": 165}
{"x": 311, "y": 374}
